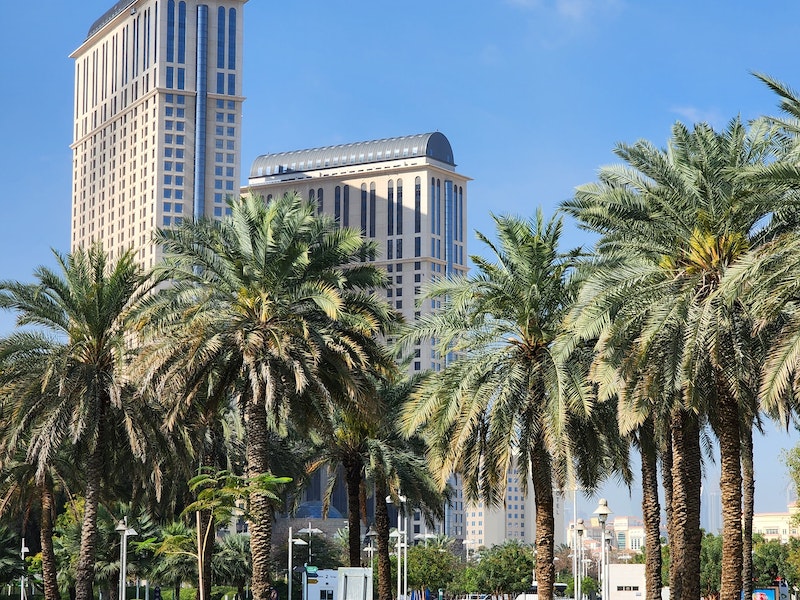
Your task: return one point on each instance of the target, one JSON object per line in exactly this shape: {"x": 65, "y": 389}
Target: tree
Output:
{"x": 506, "y": 569}
{"x": 710, "y": 565}
{"x": 232, "y": 562}
{"x": 673, "y": 222}
{"x": 276, "y": 294}
{"x": 506, "y": 401}
{"x": 396, "y": 462}
{"x": 79, "y": 347}
{"x": 430, "y": 568}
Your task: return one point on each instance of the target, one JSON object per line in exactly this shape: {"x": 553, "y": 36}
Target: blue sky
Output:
{"x": 532, "y": 94}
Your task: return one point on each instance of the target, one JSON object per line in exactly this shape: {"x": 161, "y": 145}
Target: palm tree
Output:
{"x": 80, "y": 345}
{"x": 396, "y": 463}
{"x": 232, "y": 562}
{"x": 672, "y": 223}
{"x": 342, "y": 443}
{"x": 274, "y": 294}
{"x": 22, "y": 491}
{"x": 506, "y": 401}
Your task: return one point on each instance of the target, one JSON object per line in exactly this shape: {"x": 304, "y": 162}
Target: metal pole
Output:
{"x": 405, "y": 555}
{"x": 123, "y": 537}
{"x": 399, "y": 553}
{"x": 289, "y": 577}
{"x": 575, "y": 576}
{"x": 603, "y": 559}
{"x": 23, "y": 551}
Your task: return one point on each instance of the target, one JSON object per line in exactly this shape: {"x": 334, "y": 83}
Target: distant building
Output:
{"x": 779, "y": 526}
{"x": 515, "y": 519}
{"x": 157, "y": 120}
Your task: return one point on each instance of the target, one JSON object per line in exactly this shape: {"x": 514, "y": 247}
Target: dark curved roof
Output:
{"x": 434, "y": 145}
{"x": 108, "y": 16}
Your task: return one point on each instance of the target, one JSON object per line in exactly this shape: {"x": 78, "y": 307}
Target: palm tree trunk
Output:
{"x": 206, "y": 523}
{"x": 260, "y": 523}
{"x": 666, "y": 483}
{"x": 49, "y": 570}
{"x": 545, "y": 524}
{"x": 206, "y": 531}
{"x": 84, "y": 573}
{"x": 684, "y": 576}
{"x": 730, "y": 484}
{"x": 353, "y": 473}
{"x": 382, "y": 529}
{"x": 748, "y": 507}
{"x": 651, "y": 510}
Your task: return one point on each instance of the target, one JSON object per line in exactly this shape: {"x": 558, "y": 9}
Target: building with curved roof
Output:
{"x": 432, "y": 145}
{"x": 405, "y": 194}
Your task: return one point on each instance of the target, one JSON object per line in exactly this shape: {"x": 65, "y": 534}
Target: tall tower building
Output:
{"x": 406, "y": 195}
{"x": 157, "y": 120}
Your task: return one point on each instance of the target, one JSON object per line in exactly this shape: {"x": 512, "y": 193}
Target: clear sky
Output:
{"x": 532, "y": 94}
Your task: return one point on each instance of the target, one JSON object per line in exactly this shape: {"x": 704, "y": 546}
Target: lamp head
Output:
{"x": 602, "y": 511}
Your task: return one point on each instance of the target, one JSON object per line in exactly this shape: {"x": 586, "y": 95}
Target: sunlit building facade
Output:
{"x": 157, "y": 120}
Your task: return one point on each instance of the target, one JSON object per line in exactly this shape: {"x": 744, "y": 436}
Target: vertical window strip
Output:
{"x": 372, "y": 206}
{"x": 346, "y": 207}
{"x": 232, "y": 40}
{"x": 170, "y": 31}
{"x": 363, "y": 209}
{"x": 399, "y": 207}
{"x": 182, "y": 32}
{"x": 390, "y": 208}
{"x": 220, "y": 40}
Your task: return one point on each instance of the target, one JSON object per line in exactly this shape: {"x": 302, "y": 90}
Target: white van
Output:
{"x": 532, "y": 593}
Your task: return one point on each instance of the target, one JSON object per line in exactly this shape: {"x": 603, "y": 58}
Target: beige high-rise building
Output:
{"x": 402, "y": 192}
{"x": 515, "y": 519}
{"x": 405, "y": 194}
{"x": 157, "y": 120}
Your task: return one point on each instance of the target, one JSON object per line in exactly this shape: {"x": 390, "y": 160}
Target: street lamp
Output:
{"x": 370, "y": 536}
{"x": 579, "y": 529}
{"x": 401, "y": 536}
{"x": 469, "y": 543}
{"x": 124, "y": 533}
{"x": 602, "y": 511}
{"x": 292, "y": 543}
{"x": 310, "y": 531}
{"x": 23, "y": 551}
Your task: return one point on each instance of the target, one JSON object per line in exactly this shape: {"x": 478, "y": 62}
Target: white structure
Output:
{"x": 157, "y": 120}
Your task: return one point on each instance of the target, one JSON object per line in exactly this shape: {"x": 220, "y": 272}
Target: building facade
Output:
{"x": 404, "y": 194}
{"x": 157, "y": 120}
{"x": 778, "y": 526}
{"x": 515, "y": 519}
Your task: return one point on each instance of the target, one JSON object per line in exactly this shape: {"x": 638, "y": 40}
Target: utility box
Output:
{"x": 354, "y": 583}
{"x": 319, "y": 584}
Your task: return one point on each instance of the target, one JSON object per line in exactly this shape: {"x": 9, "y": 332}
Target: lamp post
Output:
{"x": 468, "y": 544}
{"x": 370, "y": 536}
{"x": 310, "y": 531}
{"x": 579, "y": 529}
{"x": 124, "y": 533}
{"x": 602, "y": 511}
{"x": 402, "y": 565}
{"x": 292, "y": 544}
{"x": 23, "y": 551}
